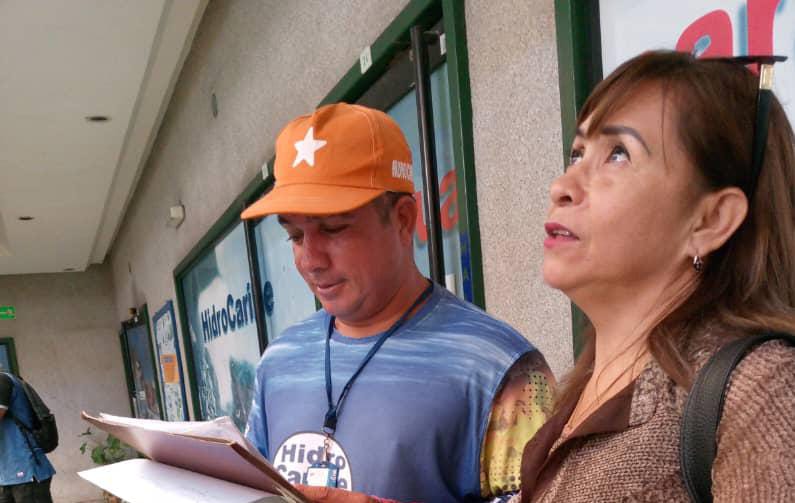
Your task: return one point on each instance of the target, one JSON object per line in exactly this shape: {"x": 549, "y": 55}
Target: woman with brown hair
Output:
{"x": 670, "y": 239}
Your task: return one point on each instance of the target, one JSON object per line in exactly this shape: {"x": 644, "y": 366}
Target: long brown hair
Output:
{"x": 748, "y": 284}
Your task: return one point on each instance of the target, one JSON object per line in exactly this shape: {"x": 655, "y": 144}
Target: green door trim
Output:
{"x": 185, "y": 329}
{"x": 125, "y": 355}
{"x": 8, "y": 342}
{"x": 463, "y": 140}
{"x": 579, "y": 70}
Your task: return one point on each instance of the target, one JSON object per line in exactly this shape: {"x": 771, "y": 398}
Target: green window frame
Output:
{"x": 7, "y": 343}
{"x": 217, "y": 233}
{"x": 579, "y": 70}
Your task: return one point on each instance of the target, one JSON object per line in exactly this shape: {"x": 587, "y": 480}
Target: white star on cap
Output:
{"x": 307, "y": 147}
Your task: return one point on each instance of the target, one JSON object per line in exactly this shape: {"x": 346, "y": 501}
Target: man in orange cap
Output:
{"x": 396, "y": 387}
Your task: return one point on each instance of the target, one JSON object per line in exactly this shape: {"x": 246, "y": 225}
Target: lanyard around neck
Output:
{"x": 330, "y": 423}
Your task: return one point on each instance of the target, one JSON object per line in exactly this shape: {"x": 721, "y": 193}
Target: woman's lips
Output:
{"x": 558, "y": 234}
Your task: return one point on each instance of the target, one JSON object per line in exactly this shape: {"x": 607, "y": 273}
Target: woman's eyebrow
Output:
{"x": 615, "y": 130}
{"x": 619, "y": 130}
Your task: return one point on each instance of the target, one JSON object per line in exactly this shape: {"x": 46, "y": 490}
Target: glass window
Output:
{"x": 286, "y": 299}
{"x": 223, "y": 338}
{"x": 706, "y": 28}
{"x": 168, "y": 356}
{"x": 405, "y": 113}
{"x": 5, "y": 359}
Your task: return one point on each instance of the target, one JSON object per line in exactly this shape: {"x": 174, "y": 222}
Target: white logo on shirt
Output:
{"x": 301, "y": 450}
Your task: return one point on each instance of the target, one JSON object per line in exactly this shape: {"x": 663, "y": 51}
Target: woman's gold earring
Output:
{"x": 698, "y": 264}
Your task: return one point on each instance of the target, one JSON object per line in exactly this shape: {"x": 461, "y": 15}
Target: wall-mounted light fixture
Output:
{"x": 176, "y": 215}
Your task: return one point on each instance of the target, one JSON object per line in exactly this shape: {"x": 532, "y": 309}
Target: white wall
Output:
{"x": 517, "y": 131}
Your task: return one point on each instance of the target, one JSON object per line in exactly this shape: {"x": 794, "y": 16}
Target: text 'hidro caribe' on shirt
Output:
{"x": 238, "y": 312}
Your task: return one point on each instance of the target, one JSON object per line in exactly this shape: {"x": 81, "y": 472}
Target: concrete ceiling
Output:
{"x": 62, "y": 61}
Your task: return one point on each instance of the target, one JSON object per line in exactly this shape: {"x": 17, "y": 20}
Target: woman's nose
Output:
{"x": 567, "y": 189}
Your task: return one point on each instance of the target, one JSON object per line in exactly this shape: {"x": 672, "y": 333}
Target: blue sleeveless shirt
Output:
{"x": 413, "y": 423}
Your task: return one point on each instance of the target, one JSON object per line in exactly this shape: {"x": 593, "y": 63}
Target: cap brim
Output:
{"x": 310, "y": 199}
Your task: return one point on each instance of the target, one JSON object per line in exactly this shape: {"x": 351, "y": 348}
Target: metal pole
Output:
{"x": 256, "y": 287}
{"x": 422, "y": 82}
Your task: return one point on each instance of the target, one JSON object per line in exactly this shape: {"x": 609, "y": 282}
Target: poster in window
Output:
{"x": 222, "y": 329}
{"x": 286, "y": 298}
{"x": 168, "y": 357}
{"x": 707, "y": 28}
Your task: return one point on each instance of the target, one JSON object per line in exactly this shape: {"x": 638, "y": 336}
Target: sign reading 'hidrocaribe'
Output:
{"x": 237, "y": 313}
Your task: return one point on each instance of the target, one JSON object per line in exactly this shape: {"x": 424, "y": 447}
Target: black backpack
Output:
{"x": 43, "y": 430}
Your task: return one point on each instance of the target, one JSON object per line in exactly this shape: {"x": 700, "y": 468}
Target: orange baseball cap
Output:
{"x": 335, "y": 160}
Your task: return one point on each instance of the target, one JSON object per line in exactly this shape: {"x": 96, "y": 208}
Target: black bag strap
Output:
{"x": 703, "y": 410}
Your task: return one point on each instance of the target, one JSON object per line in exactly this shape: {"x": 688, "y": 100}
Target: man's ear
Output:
{"x": 720, "y": 214}
{"x": 405, "y": 211}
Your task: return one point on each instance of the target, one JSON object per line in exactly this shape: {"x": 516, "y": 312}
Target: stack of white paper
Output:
{"x": 145, "y": 481}
{"x": 191, "y": 461}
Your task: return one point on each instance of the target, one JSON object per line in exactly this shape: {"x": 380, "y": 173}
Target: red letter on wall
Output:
{"x": 422, "y": 230}
{"x": 717, "y": 27}
{"x": 760, "y": 26}
{"x": 449, "y": 208}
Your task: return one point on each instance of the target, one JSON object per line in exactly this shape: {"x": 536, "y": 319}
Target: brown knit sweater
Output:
{"x": 628, "y": 450}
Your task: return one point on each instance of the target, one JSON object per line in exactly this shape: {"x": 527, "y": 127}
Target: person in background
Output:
{"x": 396, "y": 388}
{"x": 673, "y": 242}
{"x": 25, "y": 471}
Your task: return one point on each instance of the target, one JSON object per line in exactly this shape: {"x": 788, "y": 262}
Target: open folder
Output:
{"x": 215, "y": 449}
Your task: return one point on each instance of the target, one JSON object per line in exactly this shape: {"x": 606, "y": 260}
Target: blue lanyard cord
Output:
{"x": 330, "y": 423}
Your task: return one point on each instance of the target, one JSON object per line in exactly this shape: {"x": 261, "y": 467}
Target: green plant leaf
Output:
{"x": 110, "y": 450}
{"x": 98, "y": 455}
